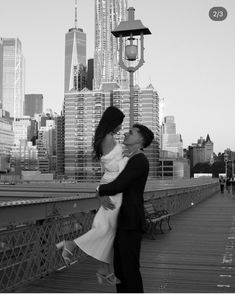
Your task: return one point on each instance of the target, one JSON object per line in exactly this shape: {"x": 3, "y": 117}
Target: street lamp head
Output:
{"x": 130, "y": 27}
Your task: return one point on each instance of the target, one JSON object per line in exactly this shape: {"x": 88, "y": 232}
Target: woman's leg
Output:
{"x": 67, "y": 253}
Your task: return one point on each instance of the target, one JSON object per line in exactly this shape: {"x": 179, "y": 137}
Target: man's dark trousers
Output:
{"x": 127, "y": 246}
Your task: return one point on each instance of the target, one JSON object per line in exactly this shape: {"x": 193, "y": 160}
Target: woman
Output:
{"x": 98, "y": 241}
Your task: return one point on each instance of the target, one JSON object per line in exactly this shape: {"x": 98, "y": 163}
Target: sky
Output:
{"x": 189, "y": 58}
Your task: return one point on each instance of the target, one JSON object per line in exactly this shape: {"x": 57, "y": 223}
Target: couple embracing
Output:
{"x": 118, "y": 226}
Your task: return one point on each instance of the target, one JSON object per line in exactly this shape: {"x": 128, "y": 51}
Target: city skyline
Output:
{"x": 189, "y": 58}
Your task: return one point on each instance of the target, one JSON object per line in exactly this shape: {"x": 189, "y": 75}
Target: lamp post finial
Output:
{"x": 131, "y": 13}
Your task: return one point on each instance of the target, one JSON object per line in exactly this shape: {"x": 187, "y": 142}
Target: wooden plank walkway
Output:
{"x": 198, "y": 255}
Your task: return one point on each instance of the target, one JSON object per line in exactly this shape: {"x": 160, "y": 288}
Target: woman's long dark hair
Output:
{"x": 110, "y": 120}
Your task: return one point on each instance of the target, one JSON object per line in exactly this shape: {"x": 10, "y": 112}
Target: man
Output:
{"x": 131, "y": 221}
{"x": 222, "y": 183}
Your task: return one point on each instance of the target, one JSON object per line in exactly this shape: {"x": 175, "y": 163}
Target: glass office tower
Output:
{"x": 33, "y": 104}
{"x": 146, "y": 112}
{"x": 108, "y": 15}
{"x": 13, "y": 76}
{"x": 75, "y": 58}
{"x": 83, "y": 111}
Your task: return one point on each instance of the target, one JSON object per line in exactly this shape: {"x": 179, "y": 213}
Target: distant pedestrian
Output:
{"x": 232, "y": 183}
{"x": 228, "y": 184}
{"x": 222, "y": 184}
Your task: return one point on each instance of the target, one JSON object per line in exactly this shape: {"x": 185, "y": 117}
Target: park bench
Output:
{"x": 155, "y": 218}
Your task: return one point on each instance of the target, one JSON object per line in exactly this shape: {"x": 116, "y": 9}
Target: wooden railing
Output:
{"x": 29, "y": 229}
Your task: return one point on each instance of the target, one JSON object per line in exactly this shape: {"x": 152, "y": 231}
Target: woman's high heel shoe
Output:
{"x": 110, "y": 279}
{"x": 66, "y": 253}
{"x": 100, "y": 278}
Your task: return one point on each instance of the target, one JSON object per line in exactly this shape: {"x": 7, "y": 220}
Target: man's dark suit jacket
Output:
{"x": 131, "y": 182}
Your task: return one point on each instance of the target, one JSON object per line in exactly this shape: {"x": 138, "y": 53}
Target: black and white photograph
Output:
{"x": 117, "y": 146}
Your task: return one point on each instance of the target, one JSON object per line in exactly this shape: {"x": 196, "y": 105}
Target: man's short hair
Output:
{"x": 146, "y": 134}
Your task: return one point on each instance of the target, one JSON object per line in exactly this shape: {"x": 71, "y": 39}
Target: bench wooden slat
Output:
{"x": 155, "y": 217}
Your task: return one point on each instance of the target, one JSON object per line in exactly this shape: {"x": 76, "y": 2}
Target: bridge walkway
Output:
{"x": 198, "y": 255}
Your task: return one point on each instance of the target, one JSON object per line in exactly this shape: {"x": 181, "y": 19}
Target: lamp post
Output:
{"x": 232, "y": 164}
{"x": 126, "y": 31}
{"x": 226, "y": 162}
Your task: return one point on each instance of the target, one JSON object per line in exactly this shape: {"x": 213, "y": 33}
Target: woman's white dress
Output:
{"x": 98, "y": 241}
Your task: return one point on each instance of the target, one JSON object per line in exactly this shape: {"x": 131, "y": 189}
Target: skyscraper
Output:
{"x": 12, "y": 76}
{"x": 146, "y": 111}
{"x": 171, "y": 141}
{"x": 90, "y": 73}
{"x": 1, "y": 71}
{"x": 83, "y": 111}
{"x": 6, "y": 140}
{"x": 59, "y": 120}
{"x": 33, "y": 103}
{"x": 75, "y": 58}
{"x": 108, "y": 15}
{"x": 46, "y": 144}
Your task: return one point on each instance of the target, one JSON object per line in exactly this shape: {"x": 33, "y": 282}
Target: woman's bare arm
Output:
{"x": 107, "y": 144}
